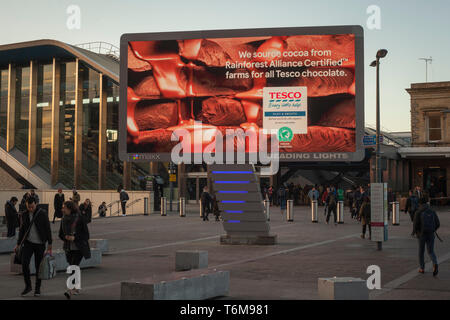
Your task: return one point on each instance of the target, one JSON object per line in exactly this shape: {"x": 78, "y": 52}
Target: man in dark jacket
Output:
{"x": 57, "y": 204}
{"x": 35, "y": 232}
{"x": 75, "y": 234}
{"x": 86, "y": 210}
{"x": 426, "y": 222}
{"x": 412, "y": 204}
{"x": 12, "y": 219}
{"x": 123, "y": 201}
{"x": 206, "y": 201}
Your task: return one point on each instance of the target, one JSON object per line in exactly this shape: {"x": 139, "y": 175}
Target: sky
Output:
{"x": 409, "y": 30}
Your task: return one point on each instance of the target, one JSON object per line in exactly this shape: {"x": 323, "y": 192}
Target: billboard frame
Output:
{"x": 357, "y": 30}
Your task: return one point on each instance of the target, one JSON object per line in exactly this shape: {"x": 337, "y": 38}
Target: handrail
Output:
{"x": 127, "y": 206}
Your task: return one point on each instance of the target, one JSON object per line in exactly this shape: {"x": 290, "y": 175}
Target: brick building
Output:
{"x": 429, "y": 153}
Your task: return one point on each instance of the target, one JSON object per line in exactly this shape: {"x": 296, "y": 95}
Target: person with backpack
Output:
{"x": 123, "y": 201}
{"x": 426, "y": 222}
{"x": 74, "y": 232}
{"x": 332, "y": 206}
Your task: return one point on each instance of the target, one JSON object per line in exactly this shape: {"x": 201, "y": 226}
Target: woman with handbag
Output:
{"x": 75, "y": 234}
{"x": 34, "y": 233}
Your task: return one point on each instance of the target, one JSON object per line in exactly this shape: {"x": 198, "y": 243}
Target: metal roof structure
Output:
{"x": 42, "y": 49}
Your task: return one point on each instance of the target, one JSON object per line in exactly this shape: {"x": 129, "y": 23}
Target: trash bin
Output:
{"x": 267, "y": 209}
{"x": 163, "y": 206}
{"x": 314, "y": 208}
{"x": 290, "y": 211}
{"x": 395, "y": 213}
{"x": 182, "y": 206}
{"x": 340, "y": 212}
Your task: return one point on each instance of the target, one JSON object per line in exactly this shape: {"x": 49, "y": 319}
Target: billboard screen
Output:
{"x": 305, "y": 84}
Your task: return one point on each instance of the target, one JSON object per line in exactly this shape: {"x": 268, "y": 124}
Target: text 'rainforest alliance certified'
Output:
{"x": 285, "y": 109}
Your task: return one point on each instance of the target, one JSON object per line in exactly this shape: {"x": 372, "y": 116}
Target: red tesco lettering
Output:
{"x": 285, "y": 95}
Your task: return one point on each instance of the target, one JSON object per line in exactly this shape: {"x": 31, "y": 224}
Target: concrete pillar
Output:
{"x": 102, "y": 116}
{"x": 11, "y": 114}
{"x": 127, "y": 175}
{"x": 78, "y": 144}
{"x": 56, "y": 97}
{"x": 32, "y": 115}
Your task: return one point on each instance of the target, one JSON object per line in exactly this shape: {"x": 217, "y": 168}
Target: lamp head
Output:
{"x": 374, "y": 63}
{"x": 382, "y": 53}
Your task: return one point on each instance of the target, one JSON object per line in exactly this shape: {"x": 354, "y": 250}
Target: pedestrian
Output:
{"x": 215, "y": 208}
{"x": 23, "y": 202}
{"x": 270, "y": 193}
{"x": 34, "y": 195}
{"x": 34, "y": 234}
{"x": 324, "y": 200}
{"x": 426, "y": 223}
{"x": 57, "y": 204}
{"x": 282, "y": 199}
{"x": 391, "y": 199}
{"x": 412, "y": 204}
{"x": 75, "y": 234}
{"x": 340, "y": 194}
{"x": 123, "y": 196}
{"x": 364, "y": 215}
{"x": 313, "y": 194}
{"x": 102, "y": 209}
{"x": 75, "y": 197}
{"x": 12, "y": 218}
{"x": 206, "y": 201}
{"x": 332, "y": 206}
{"x": 86, "y": 210}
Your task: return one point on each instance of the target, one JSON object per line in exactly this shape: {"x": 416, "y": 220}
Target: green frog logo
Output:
{"x": 285, "y": 134}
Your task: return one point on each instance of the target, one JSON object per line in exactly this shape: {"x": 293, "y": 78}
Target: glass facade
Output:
{"x": 22, "y": 108}
{"x": 67, "y": 124}
{"x": 114, "y": 167}
{"x": 91, "y": 91}
{"x": 3, "y": 102}
{"x": 44, "y": 115}
{"x": 91, "y": 104}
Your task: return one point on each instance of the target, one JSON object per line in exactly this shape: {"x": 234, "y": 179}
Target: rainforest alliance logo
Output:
{"x": 285, "y": 134}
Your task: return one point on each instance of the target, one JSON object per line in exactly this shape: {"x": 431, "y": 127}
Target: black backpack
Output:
{"x": 428, "y": 222}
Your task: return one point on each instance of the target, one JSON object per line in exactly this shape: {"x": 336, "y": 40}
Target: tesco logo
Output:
{"x": 285, "y": 95}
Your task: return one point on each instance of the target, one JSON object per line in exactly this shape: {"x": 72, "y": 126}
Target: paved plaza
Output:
{"x": 143, "y": 246}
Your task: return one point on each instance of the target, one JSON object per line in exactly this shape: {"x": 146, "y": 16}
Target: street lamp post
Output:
{"x": 376, "y": 63}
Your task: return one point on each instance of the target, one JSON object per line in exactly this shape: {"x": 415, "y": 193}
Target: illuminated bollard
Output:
{"x": 340, "y": 212}
{"x": 314, "y": 208}
{"x": 290, "y": 210}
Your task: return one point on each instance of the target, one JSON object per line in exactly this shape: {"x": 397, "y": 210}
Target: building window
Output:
{"x": 67, "y": 124}
{"x": 91, "y": 103}
{"x": 44, "y": 115}
{"x": 434, "y": 128}
{"x": 3, "y": 102}
{"x": 22, "y": 107}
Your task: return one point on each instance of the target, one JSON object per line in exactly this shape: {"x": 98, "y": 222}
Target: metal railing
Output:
{"x": 101, "y": 47}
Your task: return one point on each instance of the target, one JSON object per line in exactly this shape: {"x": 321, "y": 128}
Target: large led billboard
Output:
{"x": 304, "y": 84}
